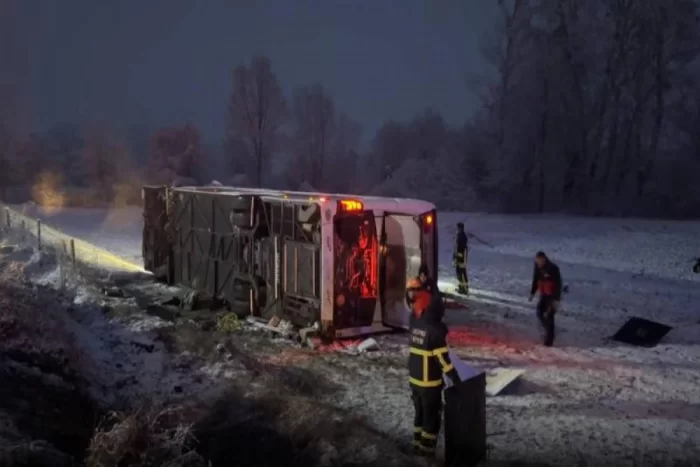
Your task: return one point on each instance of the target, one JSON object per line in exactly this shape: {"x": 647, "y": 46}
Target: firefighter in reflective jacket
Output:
{"x": 459, "y": 259}
{"x": 546, "y": 279}
{"x": 427, "y": 362}
{"x": 425, "y": 282}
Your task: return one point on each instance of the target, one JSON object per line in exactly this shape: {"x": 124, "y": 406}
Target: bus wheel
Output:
{"x": 241, "y": 219}
{"x": 240, "y": 203}
{"x": 240, "y": 308}
{"x": 240, "y": 291}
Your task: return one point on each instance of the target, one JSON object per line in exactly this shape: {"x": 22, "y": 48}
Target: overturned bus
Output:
{"x": 337, "y": 261}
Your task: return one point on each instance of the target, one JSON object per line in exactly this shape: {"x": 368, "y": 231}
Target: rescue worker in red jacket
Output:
{"x": 428, "y": 361}
{"x": 546, "y": 280}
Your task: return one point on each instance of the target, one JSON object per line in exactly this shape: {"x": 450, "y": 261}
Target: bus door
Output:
{"x": 407, "y": 242}
{"x": 355, "y": 272}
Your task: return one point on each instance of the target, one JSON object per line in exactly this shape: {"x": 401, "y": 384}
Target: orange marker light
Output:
{"x": 350, "y": 205}
{"x": 429, "y": 219}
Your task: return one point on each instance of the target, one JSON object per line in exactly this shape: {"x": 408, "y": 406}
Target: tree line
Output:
{"x": 592, "y": 108}
{"x": 595, "y": 109}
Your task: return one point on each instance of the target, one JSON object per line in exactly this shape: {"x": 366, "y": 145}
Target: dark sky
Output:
{"x": 159, "y": 62}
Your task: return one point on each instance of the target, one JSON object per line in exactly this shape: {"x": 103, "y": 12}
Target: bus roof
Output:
{"x": 399, "y": 205}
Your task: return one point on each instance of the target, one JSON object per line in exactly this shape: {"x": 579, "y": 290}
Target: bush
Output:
{"x": 146, "y": 437}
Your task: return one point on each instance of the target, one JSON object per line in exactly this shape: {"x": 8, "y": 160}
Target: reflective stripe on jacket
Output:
{"x": 428, "y": 356}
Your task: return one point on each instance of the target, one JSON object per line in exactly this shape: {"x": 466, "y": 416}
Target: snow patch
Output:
{"x": 586, "y": 398}
{"x": 124, "y": 363}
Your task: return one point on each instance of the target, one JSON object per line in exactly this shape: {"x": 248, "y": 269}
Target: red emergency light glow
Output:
{"x": 350, "y": 205}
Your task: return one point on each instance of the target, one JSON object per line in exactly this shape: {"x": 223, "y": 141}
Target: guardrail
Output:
{"x": 76, "y": 249}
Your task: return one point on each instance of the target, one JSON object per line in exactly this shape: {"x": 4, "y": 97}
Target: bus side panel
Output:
{"x": 301, "y": 274}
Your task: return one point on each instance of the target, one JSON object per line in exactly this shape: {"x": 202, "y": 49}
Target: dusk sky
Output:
{"x": 160, "y": 62}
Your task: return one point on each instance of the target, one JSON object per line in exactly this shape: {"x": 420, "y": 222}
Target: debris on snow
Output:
{"x": 593, "y": 400}
{"x": 355, "y": 348}
{"x": 275, "y": 325}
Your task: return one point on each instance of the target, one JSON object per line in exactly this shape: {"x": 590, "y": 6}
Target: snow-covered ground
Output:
{"x": 76, "y": 346}
{"x": 588, "y": 397}
{"x": 586, "y": 400}
{"x": 117, "y": 230}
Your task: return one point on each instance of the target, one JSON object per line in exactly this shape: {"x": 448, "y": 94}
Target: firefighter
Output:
{"x": 459, "y": 259}
{"x": 696, "y": 267}
{"x": 426, "y": 281}
{"x": 546, "y": 280}
{"x": 427, "y": 362}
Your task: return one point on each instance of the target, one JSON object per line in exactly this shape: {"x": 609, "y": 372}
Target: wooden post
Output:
{"x": 38, "y": 232}
{"x": 72, "y": 250}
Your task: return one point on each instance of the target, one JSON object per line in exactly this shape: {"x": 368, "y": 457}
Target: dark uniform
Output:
{"x": 459, "y": 260}
{"x": 427, "y": 362}
{"x": 696, "y": 268}
{"x": 547, "y": 281}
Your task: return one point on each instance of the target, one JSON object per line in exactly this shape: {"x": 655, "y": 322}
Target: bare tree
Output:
{"x": 390, "y": 146}
{"x": 348, "y": 172}
{"x": 314, "y": 130}
{"x": 580, "y": 110}
{"x": 257, "y": 111}
{"x": 593, "y": 104}
{"x": 62, "y": 148}
{"x": 103, "y": 156}
{"x": 176, "y": 155}
{"x": 322, "y": 138}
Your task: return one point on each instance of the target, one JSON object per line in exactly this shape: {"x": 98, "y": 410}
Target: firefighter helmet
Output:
{"x": 421, "y": 302}
{"x": 413, "y": 283}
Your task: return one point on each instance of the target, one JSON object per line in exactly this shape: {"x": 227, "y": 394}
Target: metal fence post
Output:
{"x": 72, "y": 250}
{"x": 7, "y": 216}
{"x": 38, "y": 232}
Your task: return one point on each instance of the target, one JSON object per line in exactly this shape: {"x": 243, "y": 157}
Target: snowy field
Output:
{"x": 586, "y": 401}
{"x": 117, "y": 230}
